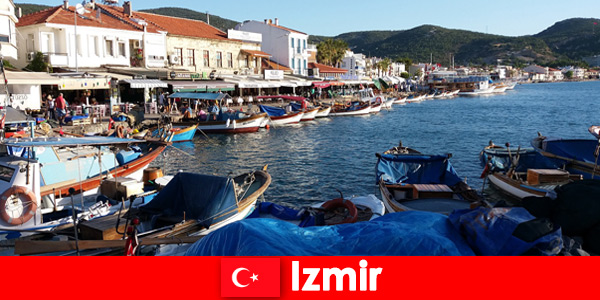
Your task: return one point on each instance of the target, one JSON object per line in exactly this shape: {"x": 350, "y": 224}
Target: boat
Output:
{"x": 219, "y": 119}
{"x": 332, "y": 212}
{"x": 521, "y": 172}
{"x": 310, "y": 113}
{"x": 176, "y": 134}
{"x": 387, "y": 103}
{"x": 323, "y": 112}
{"x": 279, "y": 116}
{"x": 410, "y": 180}
{"x": 578, "y": 156}
{"x": 42, "y": 176}
{"x": 499, "y": 88}
{"x": 400, "y": 100}
{"x": 189, "y": 207}
{"x": 375, "y": 108}
{"x": 352, "y": 109}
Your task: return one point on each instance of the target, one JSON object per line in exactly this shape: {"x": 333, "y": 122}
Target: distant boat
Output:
{"x": 354, "y": 108}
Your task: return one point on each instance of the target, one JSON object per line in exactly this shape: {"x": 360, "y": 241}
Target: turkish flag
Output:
{"x": 250, "y": 277}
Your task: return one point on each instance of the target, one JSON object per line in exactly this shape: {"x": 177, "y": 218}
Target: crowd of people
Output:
{"x": 56, "y": 109}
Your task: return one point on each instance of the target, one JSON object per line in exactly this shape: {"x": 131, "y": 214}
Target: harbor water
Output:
{"x": 309, "y": 162}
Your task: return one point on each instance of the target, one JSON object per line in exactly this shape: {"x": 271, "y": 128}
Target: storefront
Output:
{"x": 25, "y": 89}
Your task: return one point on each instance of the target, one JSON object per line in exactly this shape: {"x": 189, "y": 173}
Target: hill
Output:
{"x": 216, "y": 21}
{"x": 574, "y": 38}
{"x": 27, "y": 8}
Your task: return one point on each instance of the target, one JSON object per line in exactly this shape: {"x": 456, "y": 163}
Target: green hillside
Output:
{"x": 574, "y": 38}
{"x": 27, "y": 8}
{"x": 218, "y": 22}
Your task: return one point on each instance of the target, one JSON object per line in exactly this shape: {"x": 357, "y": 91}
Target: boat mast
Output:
{"x": 3, "y": 105}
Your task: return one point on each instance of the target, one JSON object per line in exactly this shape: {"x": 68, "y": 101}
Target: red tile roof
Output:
{"x": 108, "y": 19}
{"x": 271, "y": 65}
{"x": 326, "y": 69}
{"x": 183, "y": 27}
{"x": 285, "y": 28}
{"x": 257, "y": 53}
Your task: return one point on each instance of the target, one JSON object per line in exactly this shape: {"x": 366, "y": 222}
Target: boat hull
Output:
{"x": 287, "y": 119}
{"x": 244, "y": 125}
{"x": 363, "y": 111}
{"x": 513, "y": 188}
{"x": 323, "y": 112}
{"x": 310, "y": 114}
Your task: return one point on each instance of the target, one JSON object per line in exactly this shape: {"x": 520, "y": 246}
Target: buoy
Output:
{"x": 267, "y": 126}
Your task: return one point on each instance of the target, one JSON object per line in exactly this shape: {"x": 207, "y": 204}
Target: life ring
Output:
{"x": 120, "y": 131}
{"x": 29, "y": 204}
{"x": 378, "y": 100}
{"x": 339, "y": 202}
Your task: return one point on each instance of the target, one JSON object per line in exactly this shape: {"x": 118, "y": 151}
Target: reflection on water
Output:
{"x": 309, "y": 161}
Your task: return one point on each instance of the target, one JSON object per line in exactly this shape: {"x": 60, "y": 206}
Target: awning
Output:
{"x": 201, "y": 85}
{"x": 83, "y": 83}
{"x": 336, "y": 83}
{"x": 204, "y": 96}
{"x": 321, "y": 84}
{"x": 256, "y": 53}
{"x": 31, "y": 78}
{"x": 112, "y": 75}
{"x": 145, "y": 83}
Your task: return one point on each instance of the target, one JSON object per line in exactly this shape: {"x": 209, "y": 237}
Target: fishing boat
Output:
{"x": 521, "y": 172}
{"x": 323, "y": 112}
{"x": 409, "y": 180}
{"x": 297, "y": 104}
{"x": 279, "y": 116}
{"x": 332, "y": 212}
{"x": 39, "y": 175}
{"x": 176, "y": 134}
{"x": 310, "y": 113}
{"x": 352, "y": 109}
{"x": 375, "y": 108}
{"x": 219, "y": 119}
{"x": 189, "y": 207}
{"x": 578, "y": 156}
{"x": 387, "y": 103}
{"x": 400, "y": 100}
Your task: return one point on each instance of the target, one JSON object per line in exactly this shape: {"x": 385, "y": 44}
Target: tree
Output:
{"x": 39, "y": 64}
{"x": 405, "y": 75}
{"x": 406, "y": 61}
{"x": 569, "y": 74}
{"x": 331, "y": 52}
{"x": 384, "y": 65}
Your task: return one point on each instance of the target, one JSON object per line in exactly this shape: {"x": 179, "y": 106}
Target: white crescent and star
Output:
{"x": 234, "y": 277}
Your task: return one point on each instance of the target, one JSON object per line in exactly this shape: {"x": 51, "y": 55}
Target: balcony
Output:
{"x": 57, "y": 59}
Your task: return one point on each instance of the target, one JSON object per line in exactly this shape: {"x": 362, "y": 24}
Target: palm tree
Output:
{"x": 331, "y": 52}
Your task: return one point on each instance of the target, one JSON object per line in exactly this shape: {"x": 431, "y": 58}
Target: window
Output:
{"x": 96, "y": 45}
{"x": 4, "y": 38}
{"x": 206, "y": 58}
{"x": 179, "y": 53}
{"x": 293, "y": 64}
{"x": 122, "y": 49}
{"x": 30, "y": 43}
{"x": 219, "y": 59}
{"x": 305, "y": 64}
{"x": 299, "y": 65}
{"x": 191, "y": 61}
{"x": 80, "y": 46}
{"x": 246, "y": 62}
{"x": 292, "y": 43}
{"x": 304, "y": 44}
{"x": 109, "y": 48}
{"x": 230, "y": 60}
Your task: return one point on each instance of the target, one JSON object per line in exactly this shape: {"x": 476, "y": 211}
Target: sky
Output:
{"x": 333, "y": 17}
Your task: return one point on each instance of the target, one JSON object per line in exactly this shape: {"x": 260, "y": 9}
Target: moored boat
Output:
{"x": 415, "y": 181}
{"x": 279, "y": 116}
{"x": 176, "y": 134}
{"x": 323, "y": 112}
{"x": 355, "y": 108}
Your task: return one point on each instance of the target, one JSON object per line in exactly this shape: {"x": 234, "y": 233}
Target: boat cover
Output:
{"x": 404, "y": 233}
{"x": 200, "y": 197}
{"x": 507, "y": 231}
{"x": 582, "y": 150}
{"x": 528, "y": 159}
{"x": 303, "y": 217}
{"x": 296, "y": 106}
{"x": 272, "y": 111}
{"x": 415, "y": 169}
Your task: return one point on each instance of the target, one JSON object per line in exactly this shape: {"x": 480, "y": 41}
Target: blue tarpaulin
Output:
{"x": 415, "y": 169}
{"x": 507, "y": 231}
{"x": 272, "y": 111}
{"x": 582, "y": 150}
{"x": 404, "y": 233}
{"x": 271, "y": 210}
{"x": 200, "y": 197}
{"x": 528, "y": 159}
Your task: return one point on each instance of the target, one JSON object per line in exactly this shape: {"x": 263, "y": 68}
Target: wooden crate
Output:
{"x": 428, "y": 191}
{"x": 539, "y": 176}
{"x": 102, "y": 228}
{"x": 86, "y": 121}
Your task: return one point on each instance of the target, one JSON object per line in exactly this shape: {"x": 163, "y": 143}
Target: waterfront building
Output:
{"x": 578, "y": 73}
{"x": 555, "y": 75}
{"x": 355, "y": 64}
{"x": 288, "y": 47}
{"x": 100, "y": 38}
{"x": 8, "y": 32}
{"x": 536, "y": 73}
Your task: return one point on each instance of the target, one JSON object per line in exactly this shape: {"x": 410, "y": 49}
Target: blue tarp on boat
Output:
{"x": 415, "y": 169}
{"x": 582, "y": 150}
{"x": 405, "y": 233}
{"x": 528, "y": 159}
{"x": 271, "y": 210}
{"x": 272, "y": 111}
{"x": 200, "y": 197}
{"x": 296, "y": 106}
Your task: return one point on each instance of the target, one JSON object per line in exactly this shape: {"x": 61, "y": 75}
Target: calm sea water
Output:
{"x": 309, "y": 161}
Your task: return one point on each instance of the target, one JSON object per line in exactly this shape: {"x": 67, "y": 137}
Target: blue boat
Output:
{"x": 177, "y": 133}
{"x": 578, "y": 156}
{"x": 409, "y": 180}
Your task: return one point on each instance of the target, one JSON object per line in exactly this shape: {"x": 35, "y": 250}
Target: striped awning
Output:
{"x": 145, "y": 83}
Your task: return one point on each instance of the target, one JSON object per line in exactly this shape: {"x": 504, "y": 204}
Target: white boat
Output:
{"x": 499, "y": 89}
{"x": 246, "y": 123}
{"x": 351, "y": 111}
{"x": 323, "y": 112}
{"x": 389, "y": 102}
{"x": 400, "y": 100}
{"x": 279, "y": 116}
{"x": 310, "y": 114}
{"x": 375, "y": 108}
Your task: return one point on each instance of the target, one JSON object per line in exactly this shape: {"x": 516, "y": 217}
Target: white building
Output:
{"x": 103, "y": 38}
{"x": 288, "y": 47}
{"x": 8, "y": 33}
{"x": 578, "y": 73}
{"x": 355, "y": 63}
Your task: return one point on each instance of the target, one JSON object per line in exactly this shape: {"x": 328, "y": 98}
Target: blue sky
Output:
{"x": 333, "y": 17}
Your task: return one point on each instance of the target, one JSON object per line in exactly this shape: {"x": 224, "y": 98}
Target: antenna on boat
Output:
{"x": 71, "y": 193}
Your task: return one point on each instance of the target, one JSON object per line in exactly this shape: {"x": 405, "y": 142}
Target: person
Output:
{"x": 51, "y": 108}
{"x": 61, "y": 108}
{"x": 187, "y": 111}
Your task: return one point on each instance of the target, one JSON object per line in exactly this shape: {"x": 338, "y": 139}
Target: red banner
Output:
{"x": 305, "y": 278}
